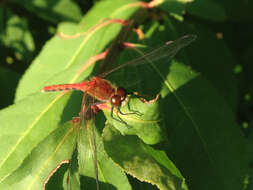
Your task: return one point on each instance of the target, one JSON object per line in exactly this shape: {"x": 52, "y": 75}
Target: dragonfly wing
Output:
{"x": 87, "y": 149}
{"x": 93, "y": 145}
{"x": 73, "y": 181}
{"x": 168, "y": 50}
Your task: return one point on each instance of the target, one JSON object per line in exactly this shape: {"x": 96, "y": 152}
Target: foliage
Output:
{"x": 197, "y": 135}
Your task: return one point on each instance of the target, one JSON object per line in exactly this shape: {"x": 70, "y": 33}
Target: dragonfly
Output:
{"x": 101, "y": 90}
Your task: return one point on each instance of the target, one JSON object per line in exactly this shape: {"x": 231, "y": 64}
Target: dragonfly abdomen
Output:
{"x": 83, "y": 86}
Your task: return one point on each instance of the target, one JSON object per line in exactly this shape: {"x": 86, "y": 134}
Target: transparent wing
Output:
{"x": 87, "y": 148}
{"x": 72, "y": 180}
{"x": 93, "y": 145}
{"x": 169, "y": 50}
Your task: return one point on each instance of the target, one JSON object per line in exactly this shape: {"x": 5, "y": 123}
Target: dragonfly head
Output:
{"x": 118, "y": 97}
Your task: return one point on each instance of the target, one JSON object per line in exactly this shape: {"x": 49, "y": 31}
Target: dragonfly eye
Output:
{"x": 116, "y": 100}
{"x": 122, "y": 93}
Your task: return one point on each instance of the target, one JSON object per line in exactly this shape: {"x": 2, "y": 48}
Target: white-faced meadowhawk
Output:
{"x": 103, "y": 91}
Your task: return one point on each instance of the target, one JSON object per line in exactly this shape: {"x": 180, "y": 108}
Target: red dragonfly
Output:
{"x": 101, "y": 90}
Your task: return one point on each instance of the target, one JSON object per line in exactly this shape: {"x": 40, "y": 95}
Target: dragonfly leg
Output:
{"x": 129, "y": 113}
{"x": 133, "y": 111}
{"x": 119, "y": 119}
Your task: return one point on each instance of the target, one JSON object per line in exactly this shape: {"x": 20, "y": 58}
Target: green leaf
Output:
{"x": 215, "y": 58}
{"x": 54, "y": 10}
{"x": 27, "y": 123}
{"x": 57, "y": 180}
{"x": 41, "y": 163}
{"x": 141, "y": 160}
{"x": 205, "y": 140}
{"x": 72, "y": 176}
{"x": 199, "y": 95}
{"x": 109, "y": 174}
{"x": 109, "y": 9}
{"x": 68, "y": 56}
{"x": 207, "y": 55}
{"x": 37, "y": 115}
{"x": 145, "y": 120}
{"x": 195, "y": 109}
